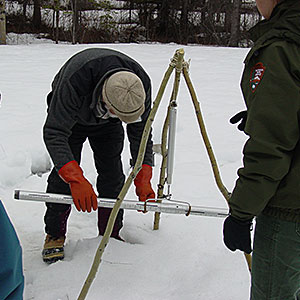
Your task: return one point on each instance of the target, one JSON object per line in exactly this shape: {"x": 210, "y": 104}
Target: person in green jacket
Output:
{"x": 268, "y": 184}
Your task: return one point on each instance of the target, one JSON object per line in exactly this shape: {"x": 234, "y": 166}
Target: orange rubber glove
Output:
{"x": 143, "y": 185}
{"x": 82, "y": 191}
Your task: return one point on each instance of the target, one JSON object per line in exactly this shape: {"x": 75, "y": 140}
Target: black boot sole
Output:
{"x": 53, "y": 255}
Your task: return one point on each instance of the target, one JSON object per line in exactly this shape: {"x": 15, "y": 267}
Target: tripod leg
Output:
{"x": 208, "y": 146}
{"x": 160, "y": 190}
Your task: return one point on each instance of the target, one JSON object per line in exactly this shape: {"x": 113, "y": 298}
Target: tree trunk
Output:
{"x": 2, "y": 23}
{"x": 56, "y": 25}
{"x": 227, "y": 23}
{"x": 25, "y": 3}
{"x": 163, "y": 21}
{"x": 75, "y": 21}
{"x": 235, "y": 24}
{"x": 130, "y": 11}
{"x": 37, "y": 18}
{"x": 184, "y": 22}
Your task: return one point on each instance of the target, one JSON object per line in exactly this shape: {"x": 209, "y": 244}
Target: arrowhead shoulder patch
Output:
{"x": 257, "y": 73}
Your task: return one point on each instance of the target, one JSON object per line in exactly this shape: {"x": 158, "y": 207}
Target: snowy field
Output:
{"x": 185, "y": 258}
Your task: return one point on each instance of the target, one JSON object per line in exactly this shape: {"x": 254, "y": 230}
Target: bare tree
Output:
{"x": 56, "y": 8}
{"x": 2, "y": 23}
{"x": 75, "y": 21}
{"x": 163, "y": 20}
{"x": 37, "y": 18}
{"x": 235, "y": 24}
{"x": 184, "y": 22}
{"x": 25, "y": 3}
{"x": 209, "y": 22}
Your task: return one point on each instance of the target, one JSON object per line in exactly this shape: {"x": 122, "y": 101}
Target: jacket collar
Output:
{"x": 287, "y": 9}
{"x": 284, "y": 24}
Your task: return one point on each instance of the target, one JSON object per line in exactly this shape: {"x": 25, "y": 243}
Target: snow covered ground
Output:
{"x": 185, "y": 258}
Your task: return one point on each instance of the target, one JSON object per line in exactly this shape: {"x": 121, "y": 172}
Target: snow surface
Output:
{"x": 185, "y": 258}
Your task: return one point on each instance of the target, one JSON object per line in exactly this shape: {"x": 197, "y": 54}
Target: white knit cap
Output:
{"x": 124, "y": 93}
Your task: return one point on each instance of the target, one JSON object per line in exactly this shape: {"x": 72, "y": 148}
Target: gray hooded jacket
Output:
{"x": 76, "y": 89}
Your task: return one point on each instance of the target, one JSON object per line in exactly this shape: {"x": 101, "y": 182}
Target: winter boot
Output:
{"x": 53, "y": 249}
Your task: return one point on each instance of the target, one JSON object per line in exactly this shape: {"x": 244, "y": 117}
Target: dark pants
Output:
{"x": 276, "y": 260}
{"x": 106, "y": 142}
